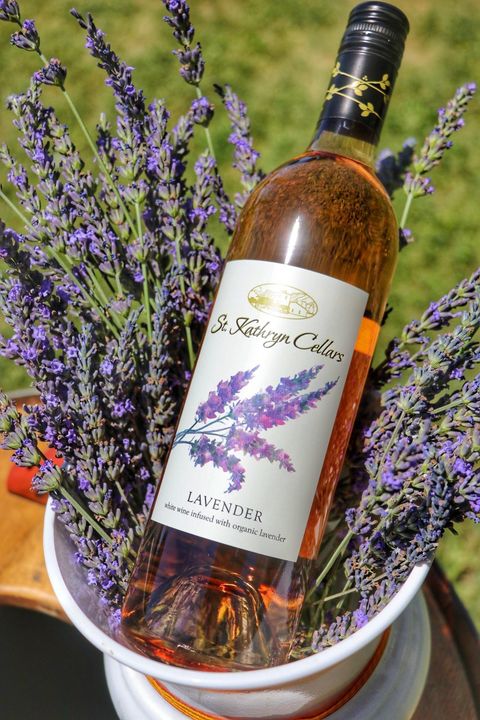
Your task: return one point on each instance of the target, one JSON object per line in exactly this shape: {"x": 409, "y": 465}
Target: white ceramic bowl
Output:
{"x": 295, "y": 690}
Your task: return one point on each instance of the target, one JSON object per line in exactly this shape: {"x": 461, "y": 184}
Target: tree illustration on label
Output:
{"x": 225, "y": 424}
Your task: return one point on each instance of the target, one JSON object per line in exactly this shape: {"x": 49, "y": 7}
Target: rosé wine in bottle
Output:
{"x": 223, "y": 567}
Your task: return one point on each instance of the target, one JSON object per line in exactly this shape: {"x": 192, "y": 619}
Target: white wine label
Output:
{"x": 254, "y": 430}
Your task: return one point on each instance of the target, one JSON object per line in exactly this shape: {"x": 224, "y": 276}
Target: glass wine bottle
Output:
{"x": 223, "y": 568}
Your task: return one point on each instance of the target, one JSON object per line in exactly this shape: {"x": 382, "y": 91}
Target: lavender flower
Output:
{"x": 226, "y": 423}
{"x": 202, "y": 111}
{"x": 9, "y": 11}
{"x": 47, "y": 479}
{"x": 245, "y": 156}
{"x": 420, "y": 459}
{"x": 405, "y": 238}
{"x": 417, "y": 185}
{"x": 179, "y": 20}
{"x": 27, "y": 38}
{"x": 225, "y": 392}
{"x": 391, "y": 168}
{"x": 119, "y": 74}
{"x": 53, "y": 74}
{"x": 450, "y": 119}
{"x": 73, "y": 292}
{"x": 192, "y": 64}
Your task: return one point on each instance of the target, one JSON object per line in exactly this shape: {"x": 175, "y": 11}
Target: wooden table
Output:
{"x": 23, "y": 577}
{"x": 453, "y": 686}
{"x": 452, "y": 691}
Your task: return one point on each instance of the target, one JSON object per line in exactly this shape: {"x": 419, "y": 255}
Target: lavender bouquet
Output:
{"x": 106, "y": 285}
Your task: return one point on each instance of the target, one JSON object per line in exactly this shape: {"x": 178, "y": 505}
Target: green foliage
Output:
{"x": 278, "y": 56}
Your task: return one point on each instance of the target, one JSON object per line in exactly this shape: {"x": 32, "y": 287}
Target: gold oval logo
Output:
{"x": 282, "y": 301}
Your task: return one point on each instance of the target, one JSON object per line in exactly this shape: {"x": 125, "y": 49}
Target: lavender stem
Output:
{"x": 337, "y": 553}
{"x": 146, "y": 296}
{"x": 15, "y": 209}
{"x": 85, "y": 292}
{"x": 127, "y": 504}
{"x": 340, "y": 594}
{"x": 85, "y": 514}
{"x": 207, "y": 130}
{"x": 188, "y": 332}
{"x": 406, "y": 210}
{"x": 344, "y": 592}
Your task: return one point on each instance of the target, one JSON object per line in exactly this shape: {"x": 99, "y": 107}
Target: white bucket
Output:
{"x": 309, "y": 688}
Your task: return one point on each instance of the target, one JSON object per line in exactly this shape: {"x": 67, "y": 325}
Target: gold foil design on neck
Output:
{"x": 359, "y": 87}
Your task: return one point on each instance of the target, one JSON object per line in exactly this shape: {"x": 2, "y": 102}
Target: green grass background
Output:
{"x": 277, "y": 55}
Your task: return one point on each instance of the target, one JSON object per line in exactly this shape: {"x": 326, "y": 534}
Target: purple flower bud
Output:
{"x": 106, "y": 367}
{"x": 11, "y": 349}
{"x": 115, "y": 618}
{"x": 53, "y": 74}
{"x": 29, "y": 354}
{"x": 56, "y": 367}
{"x": 47, "y": 479}
{"x": 150, "y": 494}
{"x": 360, "y": 617}
{"x": 179, "y": 21}
{"x": 63, "y": 294}
{"x": 122, "y": 408}
{"x": 192, "y": 64}
{"x": 9, "y": 11}
{"x": 202, "y": 111}
{"x": 45, "y": 287}
{"x": 457, "y": 374}
{"x": 39, "y": 332}
{"x": 462, "y": 467}
{"x": 27, "y": 38}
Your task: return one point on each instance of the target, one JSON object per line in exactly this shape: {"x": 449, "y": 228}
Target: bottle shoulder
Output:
{"x": 327, "y": 193}
{"x": 327, "y": 213}
{"x": 325, "y": 173}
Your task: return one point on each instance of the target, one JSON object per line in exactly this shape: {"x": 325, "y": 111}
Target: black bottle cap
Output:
{"x": 362, "y": 80}
{"x": 376, "y": 27}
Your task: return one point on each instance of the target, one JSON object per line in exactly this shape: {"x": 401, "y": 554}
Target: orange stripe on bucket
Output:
{"x": 367, "y": 336}
{"x": 194, "y": 714}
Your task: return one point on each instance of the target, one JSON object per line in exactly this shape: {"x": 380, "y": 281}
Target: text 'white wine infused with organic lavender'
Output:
{"x": 242, "y": 505}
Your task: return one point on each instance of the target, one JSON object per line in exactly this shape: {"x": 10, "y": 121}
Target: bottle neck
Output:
{"x": 328, "y": 139}
{"x": 355, "y": 104}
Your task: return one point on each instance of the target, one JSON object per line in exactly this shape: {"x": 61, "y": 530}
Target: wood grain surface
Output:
{"x": 23, "y": 577}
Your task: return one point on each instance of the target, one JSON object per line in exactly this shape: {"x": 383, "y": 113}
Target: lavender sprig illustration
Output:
{"x": 225, "y": 424}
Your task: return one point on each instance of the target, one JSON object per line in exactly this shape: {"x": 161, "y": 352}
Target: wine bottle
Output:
{"x": 223, "y": 567}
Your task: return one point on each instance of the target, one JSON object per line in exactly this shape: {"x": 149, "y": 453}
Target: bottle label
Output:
{"x": 254, "y": 430}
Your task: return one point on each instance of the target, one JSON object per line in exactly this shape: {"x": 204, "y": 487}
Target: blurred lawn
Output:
{"x": 278, "y": 55}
